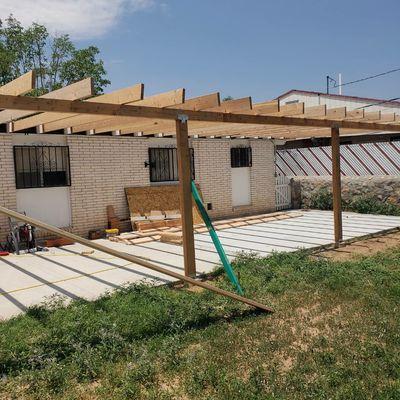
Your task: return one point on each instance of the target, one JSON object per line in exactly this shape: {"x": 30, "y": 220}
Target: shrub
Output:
{"x": 369, "y": 205}
{"x": 322, "y": 199}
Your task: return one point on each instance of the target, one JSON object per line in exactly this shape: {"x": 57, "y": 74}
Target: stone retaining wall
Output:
{"x": 383, "y": 188}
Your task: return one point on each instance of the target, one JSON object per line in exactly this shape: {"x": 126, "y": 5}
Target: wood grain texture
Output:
{"x": 20, "y": 86}
{"x": 336, "y": 186}
{"x": 213, "y": 118}
{"x": 185, "y": 197}
{"x": 142, "y": 200}
{"x": 76, "y": 91}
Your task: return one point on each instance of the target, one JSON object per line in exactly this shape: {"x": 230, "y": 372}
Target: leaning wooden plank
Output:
{"x": 53, "y": 121}
{"x": 20, "y": 86}
{"x": 132, "y": 259}
{"x": 97, "y": 108}
{"x": 76, "y": 91}
{"x": 171, "y": 98}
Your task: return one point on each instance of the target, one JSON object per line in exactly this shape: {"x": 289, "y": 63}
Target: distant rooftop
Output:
{"x": 340, "y": 97}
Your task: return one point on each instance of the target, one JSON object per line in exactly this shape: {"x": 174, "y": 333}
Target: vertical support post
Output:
{"x": 185, "y": 194}
{"x": 336, "y": 186}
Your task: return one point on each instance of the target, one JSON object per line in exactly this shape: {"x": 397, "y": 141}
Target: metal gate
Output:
{"x": 283, "y": 193}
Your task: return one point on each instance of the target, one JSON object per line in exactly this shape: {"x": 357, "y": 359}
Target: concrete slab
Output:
{"x": 31, "y": 279}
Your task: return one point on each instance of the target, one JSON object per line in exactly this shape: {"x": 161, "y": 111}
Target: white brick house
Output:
{"x": 85, "y": 173}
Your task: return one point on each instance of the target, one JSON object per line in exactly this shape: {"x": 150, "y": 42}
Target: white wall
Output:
{"x": 311, "y": 100}
{"x": 50, "y": 205}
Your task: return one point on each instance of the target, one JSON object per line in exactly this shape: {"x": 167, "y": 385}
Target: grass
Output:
{"x": 335, "y": 335}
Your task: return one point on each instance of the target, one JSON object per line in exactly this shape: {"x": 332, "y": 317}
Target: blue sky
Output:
{"x": 241, "y": 48}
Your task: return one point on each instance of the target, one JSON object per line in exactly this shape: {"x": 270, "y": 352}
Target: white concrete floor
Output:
{"x": 29, "y": 279}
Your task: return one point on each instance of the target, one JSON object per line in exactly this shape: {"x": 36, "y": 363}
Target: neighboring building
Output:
{"x": 311, "y": 99}
{"x": 371, "y": 154}
{"x": 68, "y": 180}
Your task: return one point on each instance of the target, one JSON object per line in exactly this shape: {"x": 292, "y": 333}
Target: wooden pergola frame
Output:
{"x": 126, "y": 111}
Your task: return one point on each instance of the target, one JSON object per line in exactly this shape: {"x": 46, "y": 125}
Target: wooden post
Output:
{"x": 185, "y": 195}
{"x": 336, "y": 186}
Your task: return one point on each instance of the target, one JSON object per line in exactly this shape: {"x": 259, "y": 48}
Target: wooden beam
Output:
{"x": 315, "y": 111}
{"x": 233, "y": 106}
{"x": 76, "y": 91}
{"x": 339, "y": 112}
{"x": 356, "y": 114}
{"x": 58, "y": 120}
{"x": 131, "y": 258}
{"x": 230, "y": 106}
{"x": 372, "y": 115}
{"x": 172, "y": 98}
{"x": 290, "y": 109}
{"x": 185, "y": 195}
{"x": 20, "y": 86}
{"x": 268, "y": 107}
{"x": 97, "y": 108}
{"x": 336, "y": 186}
{"x": 388, "y": 117}
{"x": 155, "y": 126}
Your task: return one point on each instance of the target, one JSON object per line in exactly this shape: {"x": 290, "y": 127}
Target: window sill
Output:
{"x": 166, "y": 183}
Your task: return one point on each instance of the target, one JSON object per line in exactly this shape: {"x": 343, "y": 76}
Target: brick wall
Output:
{"x": 7, "y": 181}
{"x": 213, "y": 173}
{"x": 102, "y": 166}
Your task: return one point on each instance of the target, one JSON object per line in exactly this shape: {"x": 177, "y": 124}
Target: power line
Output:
{"x": 364, "y": 79}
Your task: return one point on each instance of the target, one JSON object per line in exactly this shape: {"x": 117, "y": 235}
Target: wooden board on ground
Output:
{"x": 173, "y": 235}
{"x": 143, "y": 200}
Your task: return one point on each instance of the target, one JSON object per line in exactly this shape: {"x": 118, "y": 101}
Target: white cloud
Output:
{"x": 82, "y": 19}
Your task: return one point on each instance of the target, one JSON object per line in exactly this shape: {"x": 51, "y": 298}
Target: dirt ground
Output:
{"x": 364, "y": 247}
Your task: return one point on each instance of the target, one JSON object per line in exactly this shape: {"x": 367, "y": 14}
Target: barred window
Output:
{"x": 41, "y": 166}
{"x": 163, "y": 163}
{"x": 241, "y": 157}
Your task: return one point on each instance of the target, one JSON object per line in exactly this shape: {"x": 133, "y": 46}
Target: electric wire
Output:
{"x": 364, "y": 79}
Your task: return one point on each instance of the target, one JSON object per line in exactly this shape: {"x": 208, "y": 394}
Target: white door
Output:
{"x": 241, "y": 192}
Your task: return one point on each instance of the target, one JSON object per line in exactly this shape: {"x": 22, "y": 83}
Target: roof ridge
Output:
{"x": 341, "y": 96}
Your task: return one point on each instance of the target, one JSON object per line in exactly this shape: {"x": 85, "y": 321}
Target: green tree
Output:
{"x": 55, "y": 59}
{"x": 83, "y": 63}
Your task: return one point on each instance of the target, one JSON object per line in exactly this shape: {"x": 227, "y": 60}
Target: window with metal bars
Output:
{"x": 163, "y": 162}
{"x": 41, "y": 166}
{"x": 241, "y": 157}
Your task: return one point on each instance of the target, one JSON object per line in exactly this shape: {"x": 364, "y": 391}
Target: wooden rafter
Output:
{"x": 196, "y": 104}
{"x": 76, "y": 91}
{"x": 20, "y": 86}
{"x": 52, "y": 121}
{"x": 204, "y": 121}
{"x": 156, "y": 126}
{"x": 161, "y": 100}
